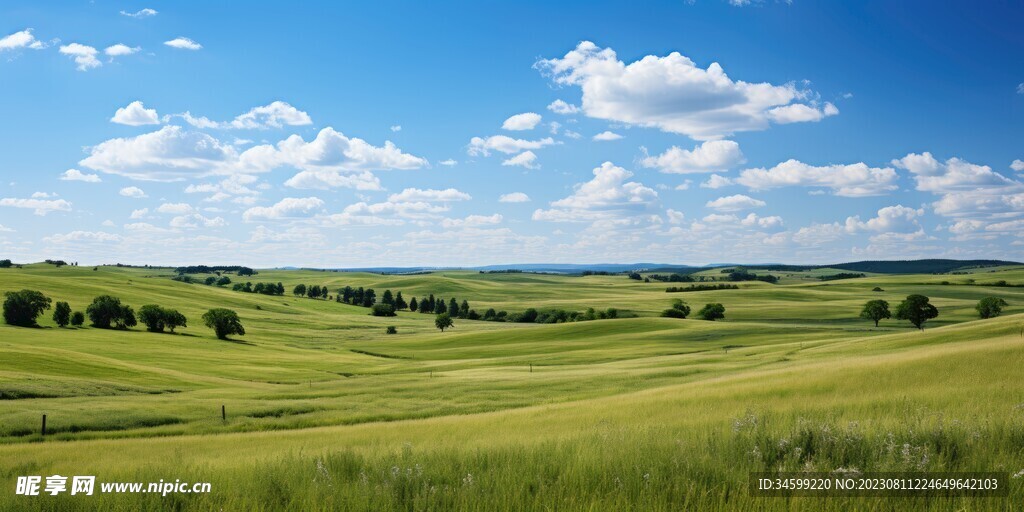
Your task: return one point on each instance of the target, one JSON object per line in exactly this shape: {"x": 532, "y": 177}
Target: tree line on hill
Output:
{"x": 918, "y": 309}
{"x": 22, "y": 309}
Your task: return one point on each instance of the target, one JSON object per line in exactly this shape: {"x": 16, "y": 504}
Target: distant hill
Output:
{"x": 936, "y": 266}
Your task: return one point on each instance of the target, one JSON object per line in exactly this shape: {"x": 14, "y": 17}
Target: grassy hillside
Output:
{"x": 326, "y": 411}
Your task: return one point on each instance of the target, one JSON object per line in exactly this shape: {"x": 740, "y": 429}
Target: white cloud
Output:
{"x": 854, "y": 180}
{"x": 735, "y": 203}
{"x": 891, "y": 219}
{"x": 76, "y": 175}
{"x": 716, "y": 182}
{"x": 133, "y": 192}
{"x": 396, "y": 128}
{"x": 514, "y": 197}
{"x": 168, "y": 154}
{"x": 119, "y": 50}
{"x": 449, "y": 162}
{"x": 710, "y": 156}
{"x": 140, "y": 213}
{"x": 606, "y": 136}
{"x": 527, "y": 159}
{"x": 389, "y": 213}
{"x": 607, "y": 196}
{"x": 83, "y": 236}
{"x": 752, "y": 220}
{"x": 505, "y": 144}
{"x": 670, "y": 93}
{"x": 325, "y": 180}
{"x": 411, "y": 195}
{"x": 524, "y": 121}
{"x": 19, "y": 40}
{"x": 1020, "y": 88}
{"x": 195, "y": 220}
{"x": 286, "y": 208}
{"x": 5, "y": 229}
{"x": 572, "y": 135}
{"x": 135, "y": 114}
{"x": 85, "y": 56}
{"x": 684, "y": 185}
{"x": 183, "y": 43}
{"x": 143, "y": 13}
{"x": 800, "y": 113}
{"x": 41, "y": 206}
{"x": 561, "y": 107}
{"x": 175, "y": 208}
{"x": 329, "y": 151}
{"x": 42, "y": 195}
{"x": 472, "y": 221}
{"x": 274, "y": 115}
{"x": 1017, "y": 165}
{"x": 675, "y": 216}
{"x": 951, "y": 175}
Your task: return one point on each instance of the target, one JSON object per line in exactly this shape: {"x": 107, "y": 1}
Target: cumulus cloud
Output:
{"x": 753, "y": 220}
{"x": 20, "y": 40}
{"x": 195, "y": 220}
{"x": 952, "y": 175}
{"x": 84, "y": 56}
{"x": 411, "y": 195}
{"x": 1017, "y": 165}
{"x": 608, "y": 195}
{"x": 606, "y": 136}
{"x": 716, "y": 182}
{"x": 40, "y": 206}
{"x": 524, "y": 121}
{"x": 561, "y": 107}
{"x": 183, "y": 43}
{"x": 711, "y": 156}
{"x": 289, "y": 207}
{"x": 389, "y": 213}
{"x": 800, "y": 113}
{"x": 138, "y": 214}
{"x": 133, "y": 192}
{"x": 735, "y": 203}
{"x": 277, "y": 114}
{"x": 675, "y": 216}
{"x": 76, "y": 175}
{"x": 527, "y": 159}
{"x": 514, "y": 197}
{"x": 853, "y": 180}
{"x": 82, "y": 236}
{"x": 325, "y": 180}
{"x": 142, "y": 13}
{"x": 329, "y": 151}
{"x": 396, "y": 127}
{"x": 504, "y": 144}
{"x": 168, "y": 154}
{"x": 119, "y": 50}
{"x": 673, "y": 94}
{"x": 135, "y": 114}
{"x": 891, "y": 219}
{"x": 472, "y": 221}
{"x": 449, "y": 162}
{"x": 175, "y": 208}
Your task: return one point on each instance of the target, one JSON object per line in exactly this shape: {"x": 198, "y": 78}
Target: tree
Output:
{"x": 22, "y": 308}
{"x": 224, "y": 322}
{"x": 712, "y": 312}
{"x": 425, "y": 306}
{"x": 490, "y": 314}
{"x": 877, "y": 289}
{"x": 679, "y": 309}
{"x": 152, "y": 316}
{"x": 280, "y": 288}
{"x": 400, "y": 302}
{"x": 387, "y": 298}
{"x": 453, "y": 307}
{"x": 323, "y": 292}
{"x": 369, "y": 298}
{"x": 917, "y": 309}
{"x": 174, "y": 319}
{"x": 6, "y": 264}
{"x": 313, "y": 291}
{"x": 106, "y": 310}
{"x": 440, "y": 307}
{"x": 246, "y": 271}
{"x": 346, "y": 294}
{"x": 209, "y": 281}
{"x": 463, "y": 309}
{"x": 875, "y": 310}
{"x": 382, "y": 310}
{"x": 223, "y": 281}
{"x": 635, "y": 276}
{"x": 391, "y": 330}
{"x": 443, "y": 321}
{"x": 62, "y": 314}
{"x": 990, "y": 307}
{"x": 299, "y": 290}
{"x": 412, "y": 303}
{"x": 77, "y": 319}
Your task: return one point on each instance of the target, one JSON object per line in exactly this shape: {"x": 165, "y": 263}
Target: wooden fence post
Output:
{"x": 223, "y": 413}
{"x": 44, "y": 425}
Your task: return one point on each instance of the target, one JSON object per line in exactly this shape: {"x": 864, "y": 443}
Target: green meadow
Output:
{"x": 325, "y": 411}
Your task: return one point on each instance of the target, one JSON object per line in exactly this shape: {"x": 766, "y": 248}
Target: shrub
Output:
{"x": 679, "y": 310}
{"x": 392, "y": 330}
{"x": 62, "y": 314}
{"x": 990, "y": 307}
{"x": 382, "y": 310}
{"x": 713, "y": 311}
{"x": 77, "y": 319}
{"x": 877, "y": 289}
{"x": 22, "y": 308}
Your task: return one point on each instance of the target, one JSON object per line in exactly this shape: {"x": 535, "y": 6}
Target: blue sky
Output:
{"x": 401, "y": 133}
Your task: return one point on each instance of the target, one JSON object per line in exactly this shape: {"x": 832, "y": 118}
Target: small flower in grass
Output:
{"x": 468, "y": 480}
{"x": 1019, "y": 474}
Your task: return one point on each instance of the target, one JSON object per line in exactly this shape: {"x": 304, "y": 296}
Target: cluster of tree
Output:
{"x": 260, "y": 288}
{"x": 701, "y": 288}
{"x": 841, "y": 275}
{"x": 745, "y": 275}
{"x": 156, "y": 318}
{"x": 671, "y": 278}
{"x": 312, "y": 291}
{"x": 915, "y": 308}
{"x": 5, "y": 263}
{"x": 635, "y": 276}
{"x": 56, "y": 263}
{"x": 219, "y": 281}
{"x": 367, "y": 297}
{"x": 107, "y": 311}
{"x": 679, "y": 309}
{"x": 596, "y": 273}
{"x": 205, "y": 269}
{"x": 430, "y": 304}
{"x": 712, "y": 311}
{"x": 506, "y": 271}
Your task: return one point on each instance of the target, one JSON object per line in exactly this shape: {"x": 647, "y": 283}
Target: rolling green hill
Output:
{"x": 326, "y": 411}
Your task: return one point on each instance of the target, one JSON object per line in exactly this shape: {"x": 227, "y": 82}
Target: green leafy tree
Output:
{"x": 382, "y": 310}
{"x": 369, "y": 298}
{"x": 209, "y": 281}
{"x": 299, "y": 290}
{"x": 62, "y": 314}
{"x": 464, "y": 309}
{"x": 440, "y": 307}
{"x": 77, "y": 319}
{"x": 713, "y": 311}
{"x": 917, "y": 310}
{"x": 224, "y": 322}
{"x": 387, "y": 298}
{"x": 443, "y": 321}
{"x": 323, "y": 292}
{"x": 490, "y": 314}
{"x": 989, "y": 307}
{"x": 152, "y": 316}
{"x": 412, "y": 302}
{"x": 346, "y": 294}
{"x": 875, "y": 310}
{"x": 224, "y": 281}
{"x": 6, "y": 263}
{"x": 679, "y": 309}
{"x": 173, "y": 319}
{"x": 400, "y": 302}
{"x": 104, "y": 311}
{"x": 453, "y": 307}
{"x": 424, "y": 306}
{"x": 126, "y": 319}
{"x": 22, "y": 308}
